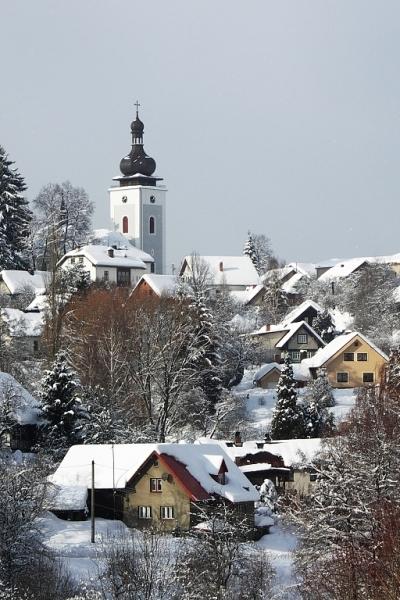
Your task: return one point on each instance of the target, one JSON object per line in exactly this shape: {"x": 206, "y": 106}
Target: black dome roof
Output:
{"x": 137, "y": 127}
{"x": 137, "y": 162}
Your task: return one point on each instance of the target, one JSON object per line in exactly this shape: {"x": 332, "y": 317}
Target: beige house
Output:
{"x": 230, "y": 273}
{"x": 351, "y": 360}
{"x": 298, "y": 340}
{"x": 152, "y": 485}
{"x": 268, "y": 375}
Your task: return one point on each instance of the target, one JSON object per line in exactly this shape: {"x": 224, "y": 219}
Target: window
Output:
{"x": 155, "y": 485}
{"x": 348, "y": 356}
{"x": 166, "y": 512}
{"x": 35, "y": 345}
{"x": 302, "y": 338}
{"x": 72, "y": 260}
{"x": 368, "y": 378}
{"x": 313, "y": 476}
{"x": 152, "y": 268}
{"x": 295, "y": 356}
{"x": 342, "y": 377}
{"x": 362, "y": 356}
{"x": 105, "y": 276}
{"x": 125, "y": 225}
{"x": 81, "y": 260}
{"x": 152, "y": 225}
{"x": 144, "y": 512}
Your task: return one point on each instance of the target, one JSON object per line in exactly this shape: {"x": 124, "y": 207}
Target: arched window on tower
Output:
{"x": 152, "y": 225}
{"x": 125, "y": 225}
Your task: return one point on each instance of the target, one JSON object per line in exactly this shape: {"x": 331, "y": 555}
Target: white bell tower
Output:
{"x": 137, "y": 204}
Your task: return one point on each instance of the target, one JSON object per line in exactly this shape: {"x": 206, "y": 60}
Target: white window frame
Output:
{"x": 144, "y": 512}
{"x": 366, "y": 354}
{"x": 166, "y": 513}
{"x": 81, "y": 260}
{"x": 106, "y": 276}
{"x": 344, "y": 373}
{"x": 155, "y": 485}
{"x": 293, "y": 357}
{"x": 302, "y": 336}
{"x": 369, "y": 373}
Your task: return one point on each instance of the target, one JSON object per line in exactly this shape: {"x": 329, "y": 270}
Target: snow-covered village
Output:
{"x": 197, "y": 402}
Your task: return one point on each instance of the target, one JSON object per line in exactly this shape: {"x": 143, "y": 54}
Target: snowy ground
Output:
{"x": 279, "y": 545}
{"x": 260, "y": 403}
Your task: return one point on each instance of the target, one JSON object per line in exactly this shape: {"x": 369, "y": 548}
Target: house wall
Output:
{"x": 143, "y": 290}
{"x": 301, "y": 483}
{"x": 374, "y": 364}
{"x": 172, "y": 494}
{"x": 269, "y": 380}
{"x": 97, "y": 272}
{"x": 267, "y": 343}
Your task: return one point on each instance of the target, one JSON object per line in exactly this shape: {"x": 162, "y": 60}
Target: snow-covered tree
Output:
{"x": 61, "y": 405}
{"x": 287, "y": 419}
{"x": 15, "y": 216}
{"x": 323, "y": 325}
{"x": 249, "y": 250}
{"x": 320, "y": 390}
{"x": 275, "y": 303}
{"x": 318, "y": 421}
{"x": 258, "y": 249}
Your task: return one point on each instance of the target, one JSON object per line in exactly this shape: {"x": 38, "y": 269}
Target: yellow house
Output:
{"x": 153, "y": 485}
{"x": 351, "y": 360}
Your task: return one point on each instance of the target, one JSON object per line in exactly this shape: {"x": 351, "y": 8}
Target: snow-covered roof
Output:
{"x": 298, "y": 311}
{"x": 343, "y": 269}
{"x": 236, "y": 270}
{"x": 23, "y": 324}
{"x": 16, "y": 281}
{"x": 39, "y": 304}
{"x": 293, "y": 452}
{"x": 161, "y": 284}
{"x": 98, "y": 255}
{"x": 289, "y": 287}
{"x": 24, "y": 407}
{"x": 303, "y": 267}
{"x": 335, "y": 346}
{"x": 278, "y": 274}
{"x": 116, "y": 465}
{"x": 293, "y": 328}
{"x": 267, "y": 368}
{"x": 246, "y": 296}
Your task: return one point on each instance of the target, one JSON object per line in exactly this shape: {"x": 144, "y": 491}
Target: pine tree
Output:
{"x": 320, "y": 389}
{"x": 15, "y": 216}
{"x": 249, "y": 250}
{"x": 61, "y": 405}
{"x": 323, "y": 325}
{"x": 287, "y": 420}
{"x": 318, "y": 421}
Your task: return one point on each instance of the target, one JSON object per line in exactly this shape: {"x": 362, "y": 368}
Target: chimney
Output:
{"x": 268, "y": 327}
{"x": 238, "y": 439}
{"x": 221, "y": 266}
{"x": 111, "y": 252}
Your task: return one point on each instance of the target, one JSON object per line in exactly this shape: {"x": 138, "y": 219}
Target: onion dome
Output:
{"x": 137, "y": 162}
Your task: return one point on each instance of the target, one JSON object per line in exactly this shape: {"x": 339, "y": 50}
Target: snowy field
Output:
{"x": 70, "y": 541}
{"x": 260, "y": 402}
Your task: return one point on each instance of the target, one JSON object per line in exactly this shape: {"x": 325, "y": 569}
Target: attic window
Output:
{"x": 302, "y": 338}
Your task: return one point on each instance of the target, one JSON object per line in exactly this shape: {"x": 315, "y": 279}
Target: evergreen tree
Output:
{"x": 323, "y": 325}
{"x": 15, "y": 216}
{"x": 318, "y": 421}
{"x": 61, "y": 405}
{"x": 249, "y": 250}
{"x": 287, "y": 420}
{"x": 320, "y": 390}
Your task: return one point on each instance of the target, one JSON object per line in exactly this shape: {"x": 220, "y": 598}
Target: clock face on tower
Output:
{"x": 124, "y": 199}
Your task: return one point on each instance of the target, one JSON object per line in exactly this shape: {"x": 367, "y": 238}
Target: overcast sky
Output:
{"x": 282, "y": 117}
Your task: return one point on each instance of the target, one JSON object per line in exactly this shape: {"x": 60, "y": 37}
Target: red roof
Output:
{"x": 186, "y": 479}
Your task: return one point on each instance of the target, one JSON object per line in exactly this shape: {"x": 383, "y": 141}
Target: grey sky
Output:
{"x": 282, "y": 116}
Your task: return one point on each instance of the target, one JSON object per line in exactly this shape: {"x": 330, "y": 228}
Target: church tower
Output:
{"x": 138, "y": 204}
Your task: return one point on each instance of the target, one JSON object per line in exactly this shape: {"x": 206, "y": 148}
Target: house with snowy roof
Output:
{"x": 23, "y": 331}
{"x": 110, "y": 264}
{"x": 152, "y": 485}
{"x": 20, "y": 415}
{"x": 268, "y": 375}
{"x": 351, "y": 360}
{"x": 231, "y": 273}
{"x": 155, "y": 285}
{"x": 289, "y": 464}
{"x": 299, "y": 340}
{"x": 308, "y": 310}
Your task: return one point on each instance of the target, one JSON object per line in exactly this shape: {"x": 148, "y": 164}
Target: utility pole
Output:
{"x": 92, "y": 506}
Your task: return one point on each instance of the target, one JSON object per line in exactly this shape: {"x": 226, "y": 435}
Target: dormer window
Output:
{"x": 221, "y": 478}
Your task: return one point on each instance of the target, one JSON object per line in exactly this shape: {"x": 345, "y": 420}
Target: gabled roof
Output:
{"x": 293, "y": 328}
{"x": 236, "y": 270}
{"x": 161, "y": 284}
{"x": 343, "y": 269}
{"x": 129, "y": 257}
{"x": 116, "y": 465}
{"x": 337, "y": 345}
{"x": 16, "y": 280}
{"x": 300, "y": 372}
{"x": 25, "y": 409}
{"x": 267, "y": 368}
{"x": 298, "y": 311}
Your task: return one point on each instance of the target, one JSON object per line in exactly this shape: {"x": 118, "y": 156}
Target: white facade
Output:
{"x": 138, "y": 212}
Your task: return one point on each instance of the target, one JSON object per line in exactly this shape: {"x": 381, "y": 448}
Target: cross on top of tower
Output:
{"x": 137, "y": 107}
